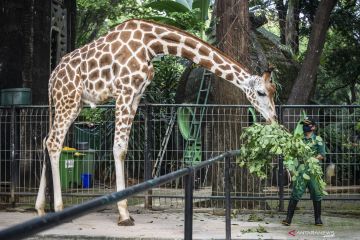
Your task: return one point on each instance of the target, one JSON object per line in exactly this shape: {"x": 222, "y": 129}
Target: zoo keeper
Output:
{"x": 299, "y": 186}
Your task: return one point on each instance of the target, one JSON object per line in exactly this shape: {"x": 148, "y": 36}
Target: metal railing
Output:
{"x": 22, "y": 129}
{"x": 31, "y": 227}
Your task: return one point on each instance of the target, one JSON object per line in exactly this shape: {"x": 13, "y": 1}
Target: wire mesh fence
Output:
{"x": 165, "y": 138}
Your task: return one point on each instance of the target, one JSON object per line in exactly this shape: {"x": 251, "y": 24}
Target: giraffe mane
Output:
{"x": 230, "y": 59}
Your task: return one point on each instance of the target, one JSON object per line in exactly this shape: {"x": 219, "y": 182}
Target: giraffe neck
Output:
{"x": 161, "y": 39}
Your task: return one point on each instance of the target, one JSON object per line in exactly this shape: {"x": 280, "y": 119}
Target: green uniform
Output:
{"x": 299, "y": 186}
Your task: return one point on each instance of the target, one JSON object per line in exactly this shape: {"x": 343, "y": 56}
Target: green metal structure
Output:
{"x": 190, "y": 122}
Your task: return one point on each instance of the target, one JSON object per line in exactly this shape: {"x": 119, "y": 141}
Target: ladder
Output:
{"x": 164, "y": 143}
{"x": 193, "y": 144}
{"x": 192, "y": 151}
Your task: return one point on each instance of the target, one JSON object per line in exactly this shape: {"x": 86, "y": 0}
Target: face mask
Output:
{"x": 306, "y": 128}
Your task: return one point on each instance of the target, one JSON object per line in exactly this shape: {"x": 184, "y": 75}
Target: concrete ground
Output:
{"x": 169, "y": 224}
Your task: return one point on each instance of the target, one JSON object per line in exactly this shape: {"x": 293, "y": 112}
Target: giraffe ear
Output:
{"x": 267, "y": 73}
{"x": 266, "y": 76}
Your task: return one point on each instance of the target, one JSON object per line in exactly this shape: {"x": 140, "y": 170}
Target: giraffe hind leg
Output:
{"x": 54, "y": 146}
{"x": 63, "y": 119}
{"x": 41, "y": 196}
{"x": 40, "y": 199}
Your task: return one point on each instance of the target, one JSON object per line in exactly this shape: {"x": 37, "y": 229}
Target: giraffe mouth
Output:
{"x": 272, "y": 119}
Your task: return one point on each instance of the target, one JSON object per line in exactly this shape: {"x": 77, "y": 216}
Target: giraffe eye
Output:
{"x": 261, "y": 94}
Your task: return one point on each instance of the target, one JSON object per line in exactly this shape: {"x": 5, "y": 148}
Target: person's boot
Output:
{"x": 317, "y": 213}
{"x": 290, "y": 212}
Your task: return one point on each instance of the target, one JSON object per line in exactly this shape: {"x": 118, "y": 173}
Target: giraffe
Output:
{"x": 118, "y": 65}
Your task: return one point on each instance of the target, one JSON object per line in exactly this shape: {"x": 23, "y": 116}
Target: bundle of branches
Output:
{"x": 262, "y": 143}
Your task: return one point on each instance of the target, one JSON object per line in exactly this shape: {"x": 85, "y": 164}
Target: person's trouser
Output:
{"x": 300, "y": 185}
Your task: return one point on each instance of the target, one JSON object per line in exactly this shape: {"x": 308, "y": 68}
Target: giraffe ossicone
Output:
{"x": 118, "y": 65}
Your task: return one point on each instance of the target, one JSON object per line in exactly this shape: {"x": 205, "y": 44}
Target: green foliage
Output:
{"x": 188, "y": 15}
{"x": 163, "y": 87}
{"x": 357, "y": 127}
{"x": 259, "y": 229}
{"x": 262, "y": 143}
{"x": 93, "y": 115}
{"x": 95, "y": 18}
{"x": 255, "y": 218}
{"x": 344, "y": 132}
{"x": 339, "y": 75}
{"x": 168, "y": 6}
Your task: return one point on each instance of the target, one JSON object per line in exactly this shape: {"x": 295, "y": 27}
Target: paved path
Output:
{"x": 169, "y": 224}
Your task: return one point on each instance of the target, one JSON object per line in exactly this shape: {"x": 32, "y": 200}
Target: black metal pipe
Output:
{"x": 38, "y": 224}
{"x": 215, "y": 159}
{"x": 188, "y": 212}
{"x": 147, "y": 154}
{"x": 227, "y": 198}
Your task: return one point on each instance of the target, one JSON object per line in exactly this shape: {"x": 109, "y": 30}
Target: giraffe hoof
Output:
{"x": 41, "y": 212}
{"x": 126, "y": 222}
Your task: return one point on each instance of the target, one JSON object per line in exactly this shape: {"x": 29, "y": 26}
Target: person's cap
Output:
{"x": 308, "y": 121}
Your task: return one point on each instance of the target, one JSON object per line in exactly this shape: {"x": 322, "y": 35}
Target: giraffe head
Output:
{"x": 260, "y": 92}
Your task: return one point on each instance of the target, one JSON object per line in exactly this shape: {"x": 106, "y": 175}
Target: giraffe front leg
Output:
{"x": 120, "y": 149}
{"x": 123, "y": 122}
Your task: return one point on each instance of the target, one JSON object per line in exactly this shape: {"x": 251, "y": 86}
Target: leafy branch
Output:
{"x": 262, "y": 143}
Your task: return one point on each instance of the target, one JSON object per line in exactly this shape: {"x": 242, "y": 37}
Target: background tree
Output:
{"x": 306, "y": 78}
{"x": 339, "y": 75}
{"x": 292, "y": 26}
{"x": 233, "y": 34}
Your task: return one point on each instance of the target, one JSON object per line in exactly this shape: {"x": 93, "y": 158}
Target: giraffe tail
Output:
{"x": 50, "y": 103}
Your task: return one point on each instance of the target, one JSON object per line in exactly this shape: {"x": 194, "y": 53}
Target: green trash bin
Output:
{"x": 68, "y": 168}
{"x": 74, "y": 163}
{"x": 87, "y": 163}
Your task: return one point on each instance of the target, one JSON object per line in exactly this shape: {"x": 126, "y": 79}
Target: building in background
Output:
{"x": 34, "y": 35}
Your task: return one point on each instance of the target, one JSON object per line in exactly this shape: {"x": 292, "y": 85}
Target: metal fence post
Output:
{"x": 13, "y": 150}
{"x": 281, "y": 183}
{"x": 281, "y": 167}
{"x": 189, "y": 188}
{"x": 147, "y": 153}
{"x": 227, "y": 198}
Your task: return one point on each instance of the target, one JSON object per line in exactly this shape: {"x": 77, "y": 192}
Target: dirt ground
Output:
{"x": 208, "y": 224}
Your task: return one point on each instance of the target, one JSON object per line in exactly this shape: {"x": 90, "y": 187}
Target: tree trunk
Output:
{"x": 306, "y": 78}
{"x": 281, "y": 9}
{"x": 291, "y": 26}
{"x": 224, "y": 125}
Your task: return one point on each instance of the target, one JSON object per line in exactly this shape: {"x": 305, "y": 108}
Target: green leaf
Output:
{"x": 168, "y": 6}
{"x": 301, "y": 167}
{"x": 203, "y": 5}
{"x": 305, "y": 176}
{"x": 187, "y": 3}
{"x": 168, "y": 21}
{"x": 319, "y": 139}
